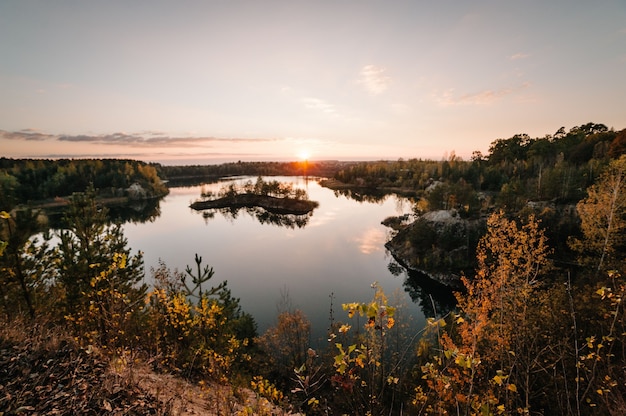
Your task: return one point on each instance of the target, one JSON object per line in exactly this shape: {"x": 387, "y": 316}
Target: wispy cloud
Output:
{"x": 449, "y": 98}
{"x": 196, "y": 157}
{"x": 374, "y": 79}
{"x": 519, "y": 55}
{"x": 145, "y": 139}
{"x": 26, "y": 134}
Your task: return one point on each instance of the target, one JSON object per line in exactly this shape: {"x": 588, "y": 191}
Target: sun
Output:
{"x": 304, "y": 155}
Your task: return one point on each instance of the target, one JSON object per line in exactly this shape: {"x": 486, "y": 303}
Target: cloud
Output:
{"x": 142, "y": 140}
{"x": 26, "y": 134}
{"x": 518, "y": 55}
{"x": 318, "y": 104}
{"x": 145, "y": 139}
{"x": 448, "y": 98}
{"x": 374, "y": 80}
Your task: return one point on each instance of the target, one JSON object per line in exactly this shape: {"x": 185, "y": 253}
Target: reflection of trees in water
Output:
{"x": 433, "y": 298}
{"x": 372, "y": 196}
{"x": 139, "y": 211}
{"x": 375, "y": 196}
{"x": 262, "y": 215}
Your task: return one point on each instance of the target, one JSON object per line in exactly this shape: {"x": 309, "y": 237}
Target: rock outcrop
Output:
{"x": 438, "y": 244}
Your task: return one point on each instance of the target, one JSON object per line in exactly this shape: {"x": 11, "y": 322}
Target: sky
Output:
{"x": 212, "y": 81}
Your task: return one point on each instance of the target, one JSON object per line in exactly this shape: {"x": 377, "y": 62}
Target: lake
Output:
{"x": 339, "y": 252}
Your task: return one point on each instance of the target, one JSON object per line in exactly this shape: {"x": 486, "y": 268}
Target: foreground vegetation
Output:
{"x": 539, "y": 327}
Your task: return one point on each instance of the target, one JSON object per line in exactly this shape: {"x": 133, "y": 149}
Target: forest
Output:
{"x": 24, "y": 181}
{"x": 539, "y": 325}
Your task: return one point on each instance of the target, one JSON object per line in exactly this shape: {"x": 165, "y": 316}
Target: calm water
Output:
{"x": 339, "y": 251}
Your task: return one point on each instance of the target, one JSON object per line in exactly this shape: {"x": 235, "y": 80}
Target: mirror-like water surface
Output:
{"x": 340, "y": 251}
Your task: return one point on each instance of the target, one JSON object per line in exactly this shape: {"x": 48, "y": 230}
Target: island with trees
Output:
{"x": 271, "y": 196}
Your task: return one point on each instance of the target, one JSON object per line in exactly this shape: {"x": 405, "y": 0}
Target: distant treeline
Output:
{"x": 195, "y": 173}
{"x": 27, "y": 180}
{"x": 556, "y": 167}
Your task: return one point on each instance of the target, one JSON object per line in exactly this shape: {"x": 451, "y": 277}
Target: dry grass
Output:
{"x": 44, "y": 371}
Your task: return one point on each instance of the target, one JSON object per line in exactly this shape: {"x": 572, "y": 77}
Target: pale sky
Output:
{"x": 227, "y": 80}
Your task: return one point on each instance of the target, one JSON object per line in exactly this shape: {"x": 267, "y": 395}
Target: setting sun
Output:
{"x": 304, "y": 155}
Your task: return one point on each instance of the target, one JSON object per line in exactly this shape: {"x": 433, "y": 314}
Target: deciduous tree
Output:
{"x": 478, "y": 370}
{"x": 603, "y": 218}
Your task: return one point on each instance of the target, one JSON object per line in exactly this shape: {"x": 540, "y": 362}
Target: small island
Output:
{"x": 274, "y": 197}
{"x": 272, "y": 204}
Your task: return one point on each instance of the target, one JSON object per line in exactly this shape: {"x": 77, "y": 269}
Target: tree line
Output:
{"x": 199, "y": 173}
{"x": 516, "y": 170}
{"x": 24, "y": 180}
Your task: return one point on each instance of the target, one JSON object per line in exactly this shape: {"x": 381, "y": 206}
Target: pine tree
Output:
{"x": 99, "y": 276}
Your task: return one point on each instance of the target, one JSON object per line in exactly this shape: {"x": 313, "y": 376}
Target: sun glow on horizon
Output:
{"x": 304, "y": 155}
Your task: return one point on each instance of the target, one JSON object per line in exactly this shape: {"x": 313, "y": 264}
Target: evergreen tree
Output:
{"x": 99, "y": 276}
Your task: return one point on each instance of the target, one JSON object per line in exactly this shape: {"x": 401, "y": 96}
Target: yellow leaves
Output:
{"x": 392, "y": 380}
{"x": 450, "y": 353}
{"x": 378, "y": 312}
{"x": 432, "y": 322}
{"x": 351, "y": 308}
{"x": 266, "y": 389}
{"x": 603, "y": 291}
{"x": 344, "y": 328}
{"x": 390, "y": 323}
{"x": 359, "y": 361}
{"x": 464, "y": 361}
{"x": 498, "y": 379}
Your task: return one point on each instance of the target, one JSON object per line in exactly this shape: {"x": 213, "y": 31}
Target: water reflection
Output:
{"x": 135, "y": 212}
{"x": 139, "y": 211}
{"x": 433, "y": 298}
{"x": 373, "y": 239}
{"x": 261, "y": 215}
{"x": 372, "y": 196}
